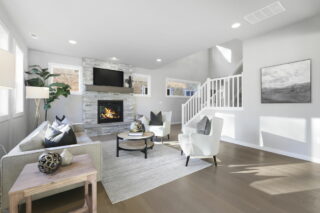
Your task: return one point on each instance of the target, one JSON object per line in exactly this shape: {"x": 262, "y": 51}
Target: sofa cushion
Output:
{"x": 35, "y": 139}
{"x": 61, "y": 136}
{"x": 156, "y": 119}
{"x": 82, "y": 137}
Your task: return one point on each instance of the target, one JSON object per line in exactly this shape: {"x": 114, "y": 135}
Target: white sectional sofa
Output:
{"x": 13, "y": 162}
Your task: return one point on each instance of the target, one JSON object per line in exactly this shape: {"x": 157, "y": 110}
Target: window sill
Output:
{"x": 144, "y": 96}
{"x": 17, "y": 115}
{"x": 177, "y": 96}
{"x": 4, "y": 118}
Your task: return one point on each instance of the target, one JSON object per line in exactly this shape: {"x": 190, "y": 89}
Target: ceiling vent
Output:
{"x": 265, "y": 13}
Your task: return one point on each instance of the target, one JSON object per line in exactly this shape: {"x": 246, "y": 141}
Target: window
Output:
{"x": 141, "y": 84}
{"x": 181, "y": 88}
{"x": 4, "y": 93}
{"x": 19, "y": 90}
{"x": 69, "y": 74}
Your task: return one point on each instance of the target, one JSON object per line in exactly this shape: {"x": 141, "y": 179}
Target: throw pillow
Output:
{"x": 59, "y": 137}
{"x": 201, "y": 125}
{"x": 156, "y": 119}
{"x": 208, "y": 128}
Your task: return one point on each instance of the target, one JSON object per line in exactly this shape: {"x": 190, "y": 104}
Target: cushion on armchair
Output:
{"x": 204, "y": 126}
{"x": 156, "y": 119}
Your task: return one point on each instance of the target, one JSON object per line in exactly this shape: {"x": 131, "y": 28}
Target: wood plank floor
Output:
{"x": 246, "y": 180}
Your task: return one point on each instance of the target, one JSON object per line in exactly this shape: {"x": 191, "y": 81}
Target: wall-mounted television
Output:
{"x": 106, "y": 77}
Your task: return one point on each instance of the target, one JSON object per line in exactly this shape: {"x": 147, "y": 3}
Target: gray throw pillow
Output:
{"x": 201, "y": 125}
{"x": 208, "y": 128}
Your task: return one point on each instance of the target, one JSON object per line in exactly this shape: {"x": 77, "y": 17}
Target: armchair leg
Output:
{"x": 181, "y": 152}
{"x": 215, "y": 161}
{"x": 168, "y": 137}
{"x": 188, "y": 158}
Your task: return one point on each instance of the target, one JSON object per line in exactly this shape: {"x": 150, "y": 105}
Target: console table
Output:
{"x": 31, "y": 182}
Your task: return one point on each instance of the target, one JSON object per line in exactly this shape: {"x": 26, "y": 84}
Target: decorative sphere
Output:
{"x": 49, "y": 162}
{"x": 137, "y": 126}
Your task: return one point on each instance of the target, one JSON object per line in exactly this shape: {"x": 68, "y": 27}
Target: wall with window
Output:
{"x": 13, "y": 119}
{"x": 290, "y": 129}
{"x": 226, "y": 59}
{"x": 193, "y": 68}
{"x": 70, "y": 106}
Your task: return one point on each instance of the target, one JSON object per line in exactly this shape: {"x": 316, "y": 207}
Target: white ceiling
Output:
{"x": 139, "y": 31}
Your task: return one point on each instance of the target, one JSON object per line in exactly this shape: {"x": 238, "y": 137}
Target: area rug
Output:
{"x": 131, "y": 174}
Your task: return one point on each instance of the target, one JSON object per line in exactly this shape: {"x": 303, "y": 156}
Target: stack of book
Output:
{"x": 135, "y": 134}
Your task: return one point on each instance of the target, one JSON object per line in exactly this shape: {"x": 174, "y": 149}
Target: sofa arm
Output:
{"x": 12, "y": 165}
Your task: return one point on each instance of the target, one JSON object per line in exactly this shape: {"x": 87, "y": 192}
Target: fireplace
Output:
{"x": 110, "y": 111}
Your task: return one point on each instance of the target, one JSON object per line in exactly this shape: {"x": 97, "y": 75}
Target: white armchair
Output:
{"x": 202, "y": 146}
{"x": 159, "y": 131}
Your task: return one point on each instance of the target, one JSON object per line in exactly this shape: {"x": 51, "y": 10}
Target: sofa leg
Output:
{"x": 168, "y": 137}
{"x": 181, "y": 152}
{"x": 188, "y": 158}
{"x": 162, "y": 140}
{"x": 215, "y": 160}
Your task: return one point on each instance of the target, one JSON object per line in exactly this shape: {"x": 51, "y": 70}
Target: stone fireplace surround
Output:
{"x": 90, "y": 100}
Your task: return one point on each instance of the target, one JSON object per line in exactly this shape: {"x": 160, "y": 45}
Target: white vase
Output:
{"x": 66, "y": 157}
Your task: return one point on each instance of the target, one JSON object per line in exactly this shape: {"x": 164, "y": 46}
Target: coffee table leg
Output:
{"x": 145, "y": 150}
{"x": 117, "y": 147}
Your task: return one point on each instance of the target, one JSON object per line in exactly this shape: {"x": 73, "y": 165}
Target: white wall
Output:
{"x": 219, "y": 66}
{"x": 13, "y": 129}
{"x": 193, "y": 67}
{"x": 291, "y": 129}
{"x": 70, "y": 106}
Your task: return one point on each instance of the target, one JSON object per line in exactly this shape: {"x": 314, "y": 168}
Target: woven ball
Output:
{"x": 49, "y": 162}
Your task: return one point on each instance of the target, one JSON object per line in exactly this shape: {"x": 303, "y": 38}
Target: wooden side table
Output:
{"x": 31, "y": 182}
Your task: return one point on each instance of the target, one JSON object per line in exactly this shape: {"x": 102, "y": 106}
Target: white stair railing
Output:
{"x": 218, "y": 93}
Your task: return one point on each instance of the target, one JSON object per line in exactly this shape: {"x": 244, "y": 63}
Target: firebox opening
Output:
{"x": 110, "y": 111}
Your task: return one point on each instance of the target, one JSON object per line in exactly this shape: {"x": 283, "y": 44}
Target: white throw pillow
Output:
{"x": 35, "y": 140}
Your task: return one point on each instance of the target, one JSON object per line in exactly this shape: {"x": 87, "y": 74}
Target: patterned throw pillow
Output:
{"x": 61, "y": 136}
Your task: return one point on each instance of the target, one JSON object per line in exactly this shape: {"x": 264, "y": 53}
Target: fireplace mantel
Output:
{"x": 108, "y": 89}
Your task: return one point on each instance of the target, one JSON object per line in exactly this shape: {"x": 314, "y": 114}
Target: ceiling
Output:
{"x": 140, "y": 31}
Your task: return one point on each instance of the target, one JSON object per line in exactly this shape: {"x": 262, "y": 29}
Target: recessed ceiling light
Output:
{"x": 236, "y": 25}
{"x": 114, "y": 58}
{"x": 34, "y": 36}
{"x": 72, "y": 42}
{"x": 159, "y": 60}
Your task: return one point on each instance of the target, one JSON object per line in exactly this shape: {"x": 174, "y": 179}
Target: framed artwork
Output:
{"x": 287, "y": 83}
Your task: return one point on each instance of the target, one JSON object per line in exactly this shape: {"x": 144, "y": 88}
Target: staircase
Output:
{"x": 215, "y": 94}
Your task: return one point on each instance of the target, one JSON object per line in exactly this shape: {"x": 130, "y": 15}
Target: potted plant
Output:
{"x": 39, "y": 77}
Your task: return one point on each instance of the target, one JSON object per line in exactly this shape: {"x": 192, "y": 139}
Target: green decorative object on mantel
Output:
{"x": 39, "y": 77}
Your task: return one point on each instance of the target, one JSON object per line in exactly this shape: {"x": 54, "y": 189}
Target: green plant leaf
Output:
{"x": 36, "y": 82}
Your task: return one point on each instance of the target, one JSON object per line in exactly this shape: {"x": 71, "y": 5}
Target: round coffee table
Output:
{"x": 135, "y": 143}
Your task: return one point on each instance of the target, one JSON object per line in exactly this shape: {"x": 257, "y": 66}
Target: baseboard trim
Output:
{"x": 268, "y": 149}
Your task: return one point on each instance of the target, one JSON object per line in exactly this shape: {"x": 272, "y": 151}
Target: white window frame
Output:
{"x": 6, "y": 117}
{"x": 183, "y": 81}
{"x": 149, "y": 84}
{"x": 20, "y": 113}
{"x": 67, "y": 66}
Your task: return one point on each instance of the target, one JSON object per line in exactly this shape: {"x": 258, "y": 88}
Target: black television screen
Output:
{"x": 107, "y": 77}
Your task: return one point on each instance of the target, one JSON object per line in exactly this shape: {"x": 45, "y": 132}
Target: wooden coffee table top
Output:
{"x": 125, "y": 136}
{"x": 31, "y": 181}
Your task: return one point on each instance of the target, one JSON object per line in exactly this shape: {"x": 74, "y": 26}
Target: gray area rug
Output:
{"x": 131, "y": 174}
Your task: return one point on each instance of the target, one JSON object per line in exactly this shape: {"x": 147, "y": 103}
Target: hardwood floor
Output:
{"x": 246, "y": 180}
